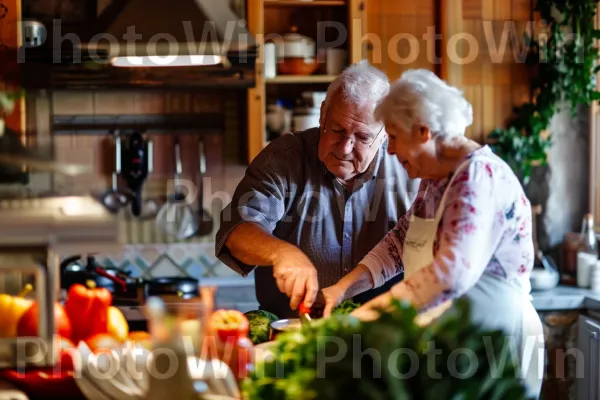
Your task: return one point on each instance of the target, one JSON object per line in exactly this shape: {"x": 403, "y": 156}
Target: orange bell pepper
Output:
{"x": 87, "y": 308}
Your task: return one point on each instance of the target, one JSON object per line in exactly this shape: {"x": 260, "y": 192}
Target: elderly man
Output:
{"x": 312, "y": 204}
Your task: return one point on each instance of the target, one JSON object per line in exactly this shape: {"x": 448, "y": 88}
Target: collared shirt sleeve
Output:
{"x": 262, "y": 195}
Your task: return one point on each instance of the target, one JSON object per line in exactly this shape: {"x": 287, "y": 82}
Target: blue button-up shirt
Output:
{"x": 290, "y": 192}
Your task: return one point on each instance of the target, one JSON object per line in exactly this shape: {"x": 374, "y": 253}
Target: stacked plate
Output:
{"x": 123, "y": 375}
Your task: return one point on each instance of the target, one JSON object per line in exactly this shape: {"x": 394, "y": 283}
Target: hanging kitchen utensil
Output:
{"x": 150, "y": 207}
{"x": 113, "y": 199}
{"x": 177, "y": 218}
{"x": 135, "y": 169}
{"x": 205, "y": 222}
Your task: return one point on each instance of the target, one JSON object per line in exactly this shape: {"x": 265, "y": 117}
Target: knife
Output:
{"x": 314, "y": 312}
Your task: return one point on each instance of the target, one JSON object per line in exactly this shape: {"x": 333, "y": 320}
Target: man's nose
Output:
{"x": 347, "y": 144}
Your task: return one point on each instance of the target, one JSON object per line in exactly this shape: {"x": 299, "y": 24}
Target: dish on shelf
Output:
{"x": 297, "y": 66}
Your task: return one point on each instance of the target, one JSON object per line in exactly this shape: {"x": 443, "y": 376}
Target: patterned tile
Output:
{"x": 165, "y": 266}
{"x": 174, "y": 259}
{"x": 195, "y": 269}
{"x": 149, "y": 253}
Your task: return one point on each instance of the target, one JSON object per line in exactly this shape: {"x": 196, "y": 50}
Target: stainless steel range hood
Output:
{"x": 155, "y": 44}
{"x": 148, "y": 33}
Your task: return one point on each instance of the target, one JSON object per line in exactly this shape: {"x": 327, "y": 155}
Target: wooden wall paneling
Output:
{"x": 73, "y": 103}
{"x": 473, "y": 94}
{"x": 148, "y": 102}
{"x": 452, "y": 25}
{"x": 256, "y": 95}
{"x": 494, "y": 80}
{"x": 401, "y": 35}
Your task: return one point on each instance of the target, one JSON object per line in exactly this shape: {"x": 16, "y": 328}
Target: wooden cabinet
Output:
{"x": 278, "y": 16}
{"x": 588, "y": 384}
{"x": 469, "y": 43}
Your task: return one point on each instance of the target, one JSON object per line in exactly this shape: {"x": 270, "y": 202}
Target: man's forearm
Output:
{"x": 253, "y": 245}
{"x": 356, "y": 282}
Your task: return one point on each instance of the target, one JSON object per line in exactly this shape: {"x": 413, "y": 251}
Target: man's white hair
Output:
{"x": 359, "y": 85}
{"x": 420, "y": 97}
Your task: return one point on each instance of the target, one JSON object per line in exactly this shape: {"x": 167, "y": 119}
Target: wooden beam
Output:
{"x": 452, "y": 26}
{"x": 256, "y": 95}
{"x": 357, "y": 27}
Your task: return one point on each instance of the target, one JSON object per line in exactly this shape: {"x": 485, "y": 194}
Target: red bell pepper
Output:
{"x": 87, "y": 308}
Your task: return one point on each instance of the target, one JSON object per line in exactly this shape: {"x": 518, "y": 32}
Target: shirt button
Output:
{"x": 347, "y": 235}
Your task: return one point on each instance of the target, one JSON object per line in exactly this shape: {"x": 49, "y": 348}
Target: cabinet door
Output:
{"x": 588, "y": 341}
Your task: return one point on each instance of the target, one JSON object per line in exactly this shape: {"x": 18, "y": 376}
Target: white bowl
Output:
{"x": 542, "y": 279}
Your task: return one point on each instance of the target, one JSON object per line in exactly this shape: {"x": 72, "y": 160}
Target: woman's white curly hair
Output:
{"x": 420, "y": 97}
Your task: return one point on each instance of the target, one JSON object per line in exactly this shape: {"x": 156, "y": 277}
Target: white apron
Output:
{"x": 496, "y": 304}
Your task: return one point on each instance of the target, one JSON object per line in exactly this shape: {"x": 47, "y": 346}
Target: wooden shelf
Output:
{"x": 304, "y": 3}
{"x": 291, "y": 79}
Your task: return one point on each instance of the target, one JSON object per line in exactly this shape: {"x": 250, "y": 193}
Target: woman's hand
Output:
{"x": 365, "y": 313}
{"x": 334, "y": 295}
{"x": 370, "y": 310}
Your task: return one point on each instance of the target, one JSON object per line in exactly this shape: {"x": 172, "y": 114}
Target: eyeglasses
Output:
{"x": 359, "y": 144}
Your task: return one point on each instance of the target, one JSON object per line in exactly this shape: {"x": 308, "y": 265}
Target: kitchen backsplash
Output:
{"x": 177, "y": 259}
{"x": 146, "y": 252}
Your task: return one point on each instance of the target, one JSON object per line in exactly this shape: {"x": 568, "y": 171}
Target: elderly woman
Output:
{"x": 468, "y": 233}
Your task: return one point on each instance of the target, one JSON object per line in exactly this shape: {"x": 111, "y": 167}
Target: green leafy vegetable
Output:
{"x": 390, "y": 358}
{"x": 259, "y": 321}
{"x": 346, "y": 307}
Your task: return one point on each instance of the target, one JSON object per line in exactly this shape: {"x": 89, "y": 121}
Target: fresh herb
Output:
{"x": 345, "y": 307}
{"x": 388, "y": 358}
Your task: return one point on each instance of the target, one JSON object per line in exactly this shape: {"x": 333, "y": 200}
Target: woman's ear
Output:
{"x": 424, "y": 134}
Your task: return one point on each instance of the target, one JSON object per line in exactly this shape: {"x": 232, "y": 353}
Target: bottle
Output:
{"x": 587, "y": 254}
{"x": 595, "y": 278}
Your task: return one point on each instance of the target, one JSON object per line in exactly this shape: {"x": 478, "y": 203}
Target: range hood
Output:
{"x": 150, "y": 43}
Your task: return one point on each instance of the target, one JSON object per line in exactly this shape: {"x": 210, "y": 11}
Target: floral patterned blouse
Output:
{"x": 485, "y": 227}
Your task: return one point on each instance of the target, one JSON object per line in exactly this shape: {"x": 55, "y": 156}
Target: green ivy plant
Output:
{"x": 564, "y": 64}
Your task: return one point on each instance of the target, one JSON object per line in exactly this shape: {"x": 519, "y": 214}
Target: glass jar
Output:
{"x": 587, "y": 254}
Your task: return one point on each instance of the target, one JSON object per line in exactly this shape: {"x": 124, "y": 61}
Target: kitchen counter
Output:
{"x": 239, "y": 294}
{"x": 565, "y": 298}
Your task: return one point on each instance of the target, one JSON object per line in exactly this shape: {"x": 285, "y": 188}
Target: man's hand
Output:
{"x": 296, "y": 276}
{"x": 334, "y": 295}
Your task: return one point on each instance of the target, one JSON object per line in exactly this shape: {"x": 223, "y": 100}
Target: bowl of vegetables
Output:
{"x": 284, "y": 325}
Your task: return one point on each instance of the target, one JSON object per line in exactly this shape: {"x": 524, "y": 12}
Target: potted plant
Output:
{"x": 564, "y": 66}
